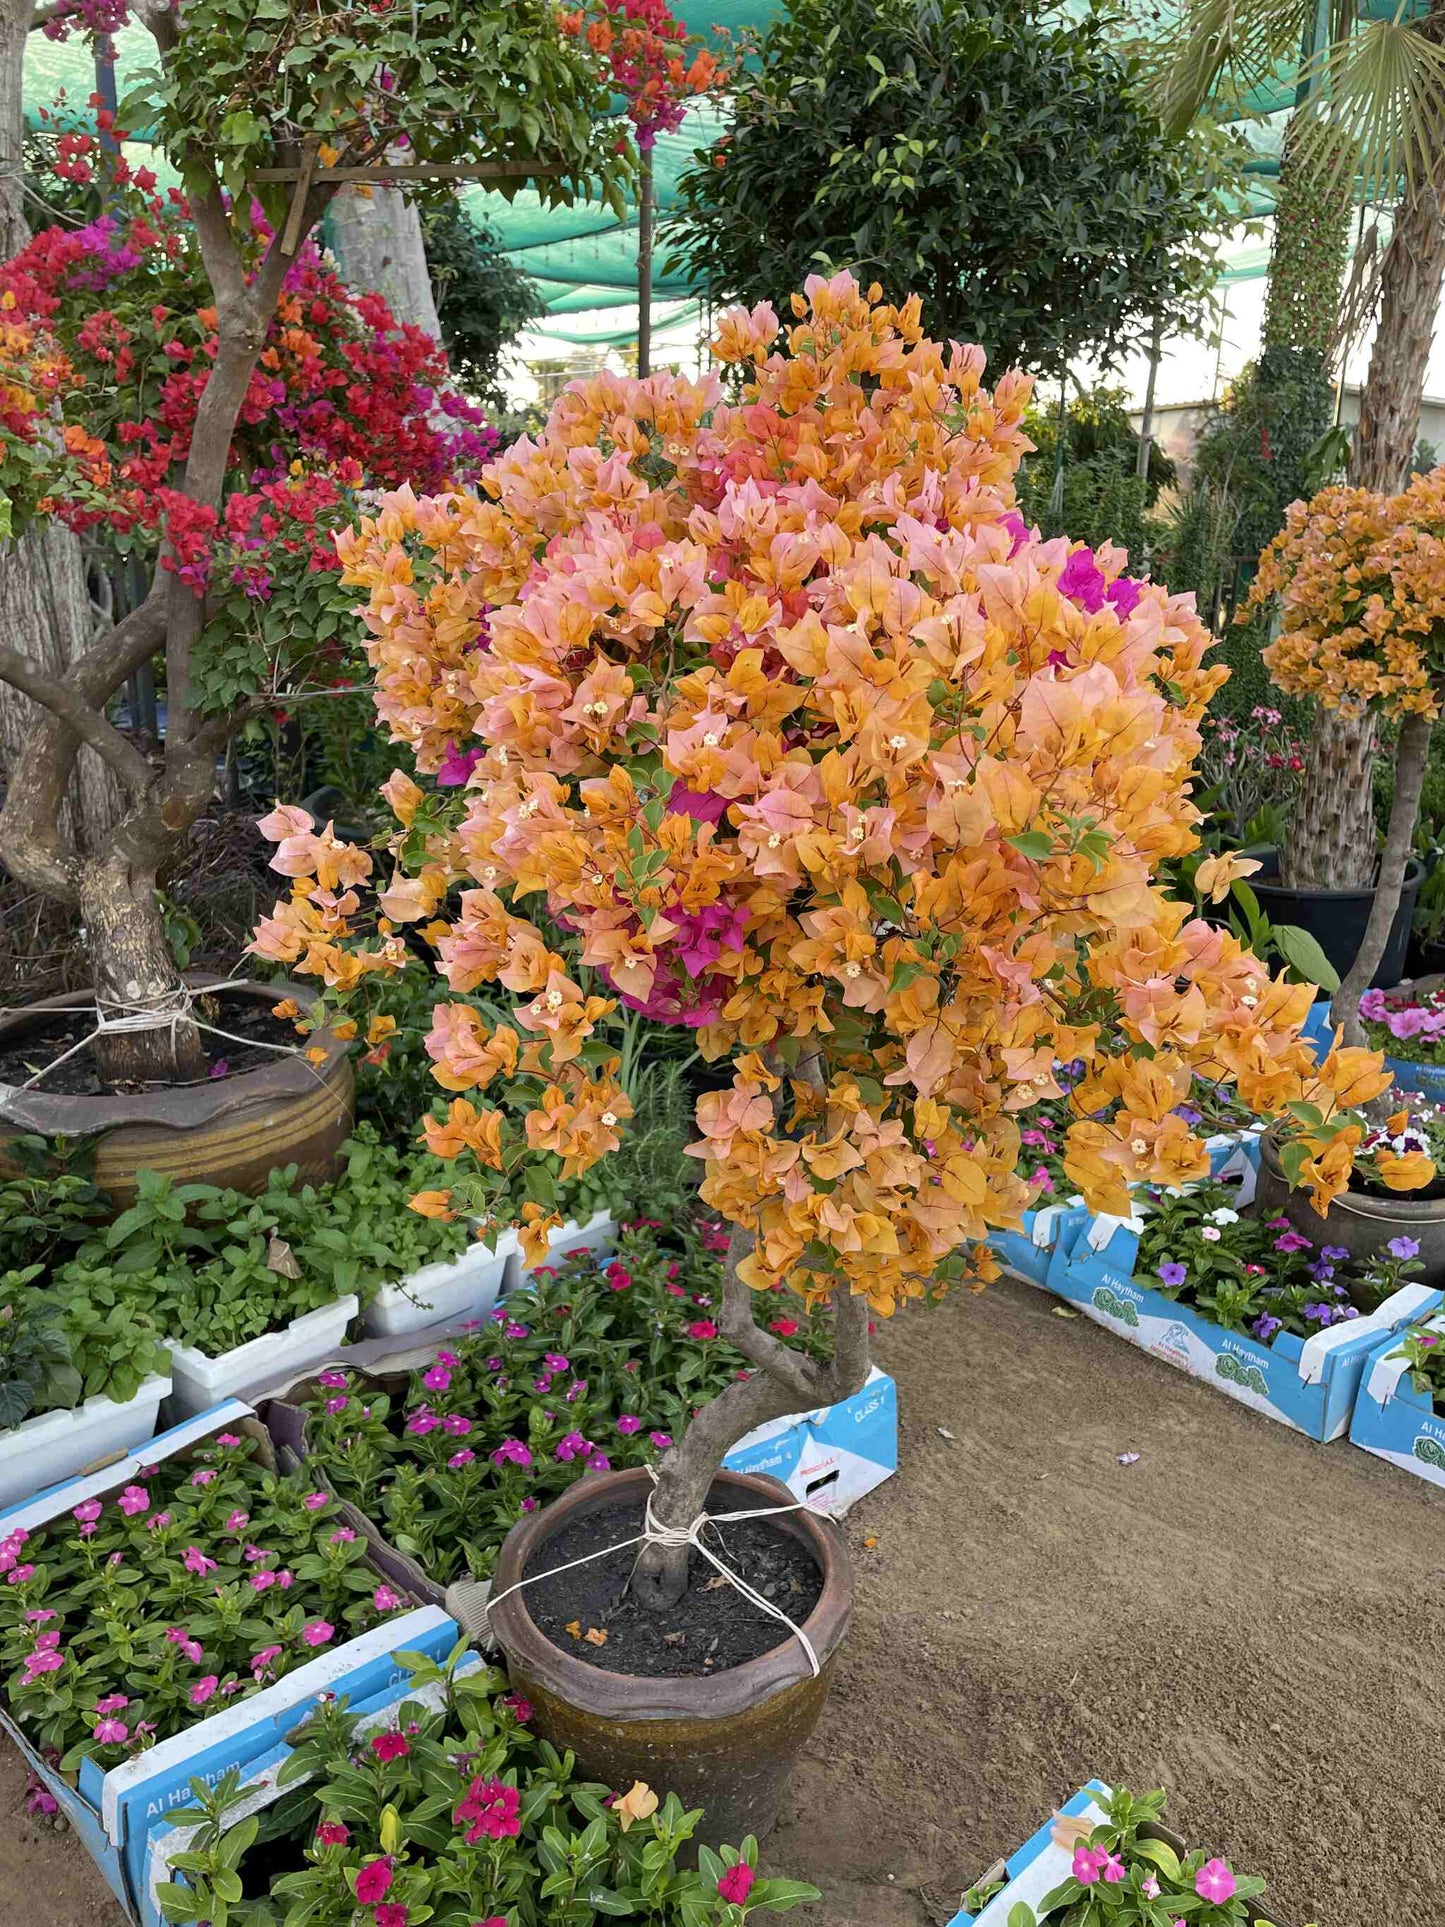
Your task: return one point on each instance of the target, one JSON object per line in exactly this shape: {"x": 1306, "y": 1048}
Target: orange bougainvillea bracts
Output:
{"x": 1361, "y": 579}
{"x": 776, "y": 709}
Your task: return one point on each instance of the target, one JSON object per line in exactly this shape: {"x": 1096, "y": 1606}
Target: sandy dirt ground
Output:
{"x": 1245, "y": 1617}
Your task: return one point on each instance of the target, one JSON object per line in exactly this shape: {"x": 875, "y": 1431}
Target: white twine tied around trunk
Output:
{"x": 127, "y": 1017}
{"x": 655, "y": 1533}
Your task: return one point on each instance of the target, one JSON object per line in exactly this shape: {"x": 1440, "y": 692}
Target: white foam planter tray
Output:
{"x": 198, "y": 1382}
{"x": 597, "y": 1234}
{"x": 466, "y": 1287}
{"x": 53, "y": 1446}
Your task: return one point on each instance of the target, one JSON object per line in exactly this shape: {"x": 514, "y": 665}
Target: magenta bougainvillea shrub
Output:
{"x": 203, "y": 1580}
{"x": 108, "y": 331}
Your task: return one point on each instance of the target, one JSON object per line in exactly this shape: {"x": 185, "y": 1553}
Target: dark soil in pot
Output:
{"x": 53, "y": 1035}
{"x": 711, "y": 1628}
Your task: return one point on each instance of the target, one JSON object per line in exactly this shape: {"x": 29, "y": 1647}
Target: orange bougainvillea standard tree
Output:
{"x": 1361, "y": 582}
{"x": 772, "y": 715}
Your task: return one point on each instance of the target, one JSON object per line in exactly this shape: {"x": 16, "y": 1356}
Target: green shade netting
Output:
{"x": 583, "y": 258}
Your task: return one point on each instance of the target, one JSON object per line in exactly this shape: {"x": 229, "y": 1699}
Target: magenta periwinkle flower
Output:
{"x": 112, "y": 1703}
{"x": 331, "y": 1833}
{"x": 317, "y": 1633}
{"x": 314, "y": 1501}
{"x": 389, "y": 1746}
{"x": 194, "y": 1560}
{"x": 438, "y": 1379}
{"x": 1088, "y": 1865}
{"x": 86, "y": 1516}
{"x": 459, "y": 1459}
{"x": 333, "y": 1381}
{"x": 203, "y": 1690}
{"x": 111, "y": 1732}
{"x": 1112, "y": 1869}
{"x": 628, "y": 1424}
{"x": 1214, "y": 1882}
{"x": 511, "y": 1452}
{"x": 204, "y": 1476}
{"x": 337, "y": 1405}
{"x": 386, "y": 1599}
{"x": 736, "y": 1884}
{"x": 134, "y": 1499}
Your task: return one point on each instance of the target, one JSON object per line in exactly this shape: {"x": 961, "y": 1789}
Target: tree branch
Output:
{"x": 78, "y": 716}
{"x": 1411, "y": 755}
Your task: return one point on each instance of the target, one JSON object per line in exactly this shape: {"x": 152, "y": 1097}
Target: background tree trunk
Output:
{"x": 1333, "y": 840}
{"x": 45, "y": 613}
{"x": 45, "y": 608}
{"x": 1309, "y": 252}
{"x": 378, "y": 246}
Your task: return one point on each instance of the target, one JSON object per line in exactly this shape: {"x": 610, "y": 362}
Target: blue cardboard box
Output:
{"x": 1427, "y": 1079}
{"x": 1030, "y": 1251}
{"x": 1039, "y": 1865}
{"x": 113, "y": 1812}
{"x": 1392, "y": 1418}
{"x": 830, "y": 1457}
{"x": 1309, "y": 1384}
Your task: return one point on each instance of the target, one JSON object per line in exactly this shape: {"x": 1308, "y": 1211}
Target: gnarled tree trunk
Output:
{"x": 45, "y": 611}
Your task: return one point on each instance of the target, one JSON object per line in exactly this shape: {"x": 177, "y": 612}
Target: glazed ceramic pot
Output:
{"x": 232, "y": 1131}
{"x": 725, "y": 1742}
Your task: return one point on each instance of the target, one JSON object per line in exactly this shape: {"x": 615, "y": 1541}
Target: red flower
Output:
{"x": 736, "y": 1884}
{"x": 785, "y": 1327}
{"x": 702, "y": 1328}
{"x": 491, "y": 1809}
{"x": 373, "y": 1882}
{"x": 331, "y": 1833}
{"x": 393, "y": 1914}
{"x": 389, "y": 1746}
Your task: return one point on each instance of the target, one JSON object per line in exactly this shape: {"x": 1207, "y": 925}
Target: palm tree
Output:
{"x": 1369, "y": 122}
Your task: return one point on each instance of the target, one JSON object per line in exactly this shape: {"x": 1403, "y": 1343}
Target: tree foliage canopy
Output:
{"x": 1000, "y": 163}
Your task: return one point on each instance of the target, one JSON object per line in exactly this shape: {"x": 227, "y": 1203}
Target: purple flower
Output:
{"x": 555, "y": 1362}
{"x": 629, "y": 1424}
{"x": 337, "y": 1404}
{"x": 1173, "y": 1275}
{"x": 1404, "y": 1247}
{"x": 599, "y": 1462}
{"x": 1265, "y": 1327}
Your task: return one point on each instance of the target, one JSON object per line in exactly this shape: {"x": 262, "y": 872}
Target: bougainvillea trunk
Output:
{"x": 133, "y": 968}
{"x": 1333, "y": 839}
{"x": 1411, "y": 756}
{"x": 782, "y": 1382}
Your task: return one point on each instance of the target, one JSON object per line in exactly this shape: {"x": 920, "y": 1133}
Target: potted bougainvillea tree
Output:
{"x": 1360, "y": 580}
{"x": 204, "y": 434}
{"x": 782, "y": 726}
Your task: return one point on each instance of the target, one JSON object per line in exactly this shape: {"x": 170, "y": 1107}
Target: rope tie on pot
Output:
{"x": 656, "y": 1533}
{"x": 124, "y": 1017}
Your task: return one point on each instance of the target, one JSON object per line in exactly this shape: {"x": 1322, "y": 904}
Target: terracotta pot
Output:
{"x": 726, "y": 1743}
{"x": 230, "y": 1132}
{"x": 1363, "y": 1223}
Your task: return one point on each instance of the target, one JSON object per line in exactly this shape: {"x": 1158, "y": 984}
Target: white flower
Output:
{"x": 1210, "y": 1233}
{"x": 1224, "y": 1216}
{"x": 1139, "y": 1147}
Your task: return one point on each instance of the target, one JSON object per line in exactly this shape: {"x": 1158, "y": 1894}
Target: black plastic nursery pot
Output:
{"x": 1336, "y": 919}
{"x": 1359, "y": 1220}
{"x": 725, "y": 1741}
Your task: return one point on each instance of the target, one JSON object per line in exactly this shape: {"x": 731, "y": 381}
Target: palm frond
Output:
{"x": 1223, "y": 50}
{"x": 1378, "y": 109}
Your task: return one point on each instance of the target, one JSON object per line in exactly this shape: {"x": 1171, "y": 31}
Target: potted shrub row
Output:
{"x": 824, "y": 765}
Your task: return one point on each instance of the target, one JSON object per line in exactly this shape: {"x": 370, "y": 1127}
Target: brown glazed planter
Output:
{"x": 1363, "y": 1223}
{"x": 726, "y": 1743}
{"x": 230, "y": 1132}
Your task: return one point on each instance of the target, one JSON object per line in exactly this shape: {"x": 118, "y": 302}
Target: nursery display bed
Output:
{"x": 1242, "y": 1614}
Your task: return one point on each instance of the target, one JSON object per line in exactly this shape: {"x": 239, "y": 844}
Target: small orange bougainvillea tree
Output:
{"x": 1361, "y": 582}
{"x": 784, "y": 727}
